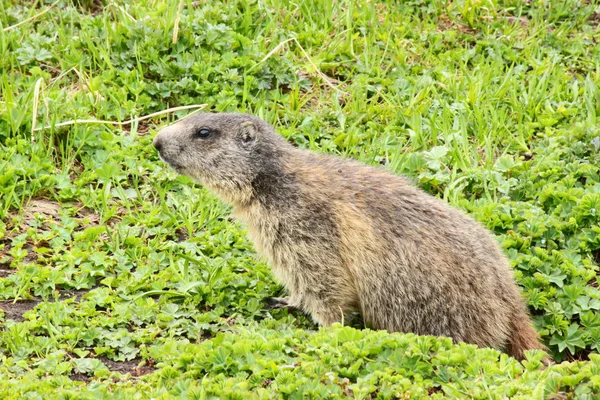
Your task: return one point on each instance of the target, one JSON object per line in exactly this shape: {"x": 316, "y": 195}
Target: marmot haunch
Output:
{"x": 342, "y": 236}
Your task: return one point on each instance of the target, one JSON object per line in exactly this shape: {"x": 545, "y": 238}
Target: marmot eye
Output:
{"x": 202, "y": 133}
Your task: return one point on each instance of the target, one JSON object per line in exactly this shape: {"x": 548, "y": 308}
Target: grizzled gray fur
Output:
{"x": 342, "y": 236}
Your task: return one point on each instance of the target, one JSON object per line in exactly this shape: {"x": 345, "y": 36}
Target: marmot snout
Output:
{"x": 342, "y": 236}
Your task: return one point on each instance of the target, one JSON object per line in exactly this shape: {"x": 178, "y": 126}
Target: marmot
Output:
{"x": 342, "y": 236}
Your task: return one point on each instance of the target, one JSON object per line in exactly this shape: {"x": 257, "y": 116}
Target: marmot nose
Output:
{"x": 157, "y": 142}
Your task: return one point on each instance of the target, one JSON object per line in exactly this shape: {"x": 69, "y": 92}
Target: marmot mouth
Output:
{"x": 171, "y": 163}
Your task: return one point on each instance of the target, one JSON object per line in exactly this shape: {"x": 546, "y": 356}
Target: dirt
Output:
{"x": 88, "y": 215}
{"x": 78, "y": 376}
{"x": 47, "y": 210}
{"x": 523, "y": 21}
{"x": 6, "y": 272}
{"x": 42, "y": 206}
{"x": 445, "y": 23}
{"x": 69, "y": 293}
{"x": 181, "y": 235}
{"x": 596, "y": 255}
{"x": 76, "y": 170}
{"x": 143, "y": 128}
{"x": 15, "y": 310}
{"x": 123, "y": 367}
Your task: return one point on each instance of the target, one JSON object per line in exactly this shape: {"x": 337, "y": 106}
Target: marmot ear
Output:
{"x": 248, "y": 134}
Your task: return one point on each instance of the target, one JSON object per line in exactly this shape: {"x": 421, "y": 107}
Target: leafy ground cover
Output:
{"x": 119, "y": 279}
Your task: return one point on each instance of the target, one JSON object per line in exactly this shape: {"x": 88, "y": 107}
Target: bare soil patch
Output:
{"x": 46, "y": 210}
{"x": 596, "y": 256}
{"x": 15, "y": 310}
{"x": 131, "y": 367}
{"x": 69, "y": 293}
{"x": 5, "y": 272}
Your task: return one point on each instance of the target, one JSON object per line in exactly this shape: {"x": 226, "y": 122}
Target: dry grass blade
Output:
{"x": 308, "y": 58}
{"x": 8, "y": 28}
{"x": 275, "y": 50}
{"x": 197, "y": 108}
{"x": 36, "y": 101}
{"x": 123, "y": 10}
{"x": 177, "y": 19}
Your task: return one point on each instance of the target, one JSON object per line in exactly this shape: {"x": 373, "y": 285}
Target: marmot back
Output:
{"x": 342, "y": 236}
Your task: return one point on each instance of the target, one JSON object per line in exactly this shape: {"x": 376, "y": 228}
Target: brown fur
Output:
{"x": 342, "y": 236}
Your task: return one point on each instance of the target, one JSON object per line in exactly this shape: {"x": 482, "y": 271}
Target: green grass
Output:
{"x": 119, "y": 279}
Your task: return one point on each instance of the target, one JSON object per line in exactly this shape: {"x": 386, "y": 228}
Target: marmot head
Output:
{"x": 225, "y": 152}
